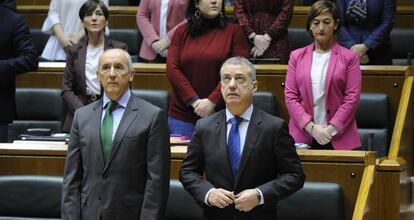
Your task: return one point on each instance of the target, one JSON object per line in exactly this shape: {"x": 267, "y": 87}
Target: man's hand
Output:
{"x": 246, "y": 200}
{"x": 364, "y": 59}
{"x": 220, "y": 198}
{"x": 204, "y": 107}
{"x": 361, "y": 49}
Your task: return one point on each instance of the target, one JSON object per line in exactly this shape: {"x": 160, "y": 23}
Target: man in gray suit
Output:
{"x": 117, "y": 164}
{"x": 247, "y": 156}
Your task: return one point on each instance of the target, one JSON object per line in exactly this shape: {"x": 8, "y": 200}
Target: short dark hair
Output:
{"x": 195, "y": 22}
{"x": 89, "y": 7}
{"x": 319, "y": 8}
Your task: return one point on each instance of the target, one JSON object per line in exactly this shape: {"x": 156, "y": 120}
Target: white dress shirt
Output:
{"x": 91, "y": 66}
{"x": 163, "y": 18}
{"x": 320, "y": 63}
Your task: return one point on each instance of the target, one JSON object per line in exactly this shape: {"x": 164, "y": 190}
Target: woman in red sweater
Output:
{"x": 195, "y": 55}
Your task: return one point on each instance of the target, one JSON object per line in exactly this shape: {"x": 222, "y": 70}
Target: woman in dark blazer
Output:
{"x": 80, "y": 84}
{"x": 368, "y": 33}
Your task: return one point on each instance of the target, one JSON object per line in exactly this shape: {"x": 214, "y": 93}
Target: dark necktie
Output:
{"x": 233, "y": 145}
{"x": 107, "y": 127}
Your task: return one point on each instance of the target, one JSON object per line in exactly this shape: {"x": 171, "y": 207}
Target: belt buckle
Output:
{"x": 94, "y": 97}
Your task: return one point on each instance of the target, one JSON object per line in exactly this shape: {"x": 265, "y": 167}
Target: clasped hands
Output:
{"x": 244, "y": 201}
{"x": 161, "y": 46}
{"x": 261, "y": 42}
{"x": 203, "y": 107}
{"x": 323, "y": 134}
{"x": 361, "y": 49}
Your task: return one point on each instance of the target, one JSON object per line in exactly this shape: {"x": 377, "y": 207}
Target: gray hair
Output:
{"x": 240, "y": 61}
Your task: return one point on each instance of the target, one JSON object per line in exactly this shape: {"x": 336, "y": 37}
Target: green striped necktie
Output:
{"x": 107, "y": 127}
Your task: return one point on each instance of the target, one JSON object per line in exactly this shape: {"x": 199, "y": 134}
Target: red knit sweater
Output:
{"x": 193, "y": 65}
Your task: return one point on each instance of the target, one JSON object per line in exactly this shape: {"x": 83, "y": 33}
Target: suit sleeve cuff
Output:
{"x": 206, "y": 197}
{"x": 261, "y": 202}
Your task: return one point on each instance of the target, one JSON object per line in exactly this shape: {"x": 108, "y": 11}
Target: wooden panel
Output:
{"x": 32, "y": 165}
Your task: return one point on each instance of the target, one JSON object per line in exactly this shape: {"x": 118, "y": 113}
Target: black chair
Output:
{"x": 373, "y": 117}
{"x": 30, "y": 197}
{"x": 158, "y": 98}
{"x": 322, "y": 201}
{"x": 39, "y": 39}
{"x": 265, "y": 101}
{"x": 124, "y": 2}
{"x": 298, "y": 38}
{"x": 180, "y": 205}
{"x": 402, "y": 46}
{"x": 131, "y": 37}
{"x": 37, "y": 108}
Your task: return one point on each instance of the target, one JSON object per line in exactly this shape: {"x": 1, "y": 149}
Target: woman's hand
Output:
{"x": 321, "y": 134}
{"x": 160, "y": 45}
{"x": 261, "y": 42}
{"x": 204, "y": 107}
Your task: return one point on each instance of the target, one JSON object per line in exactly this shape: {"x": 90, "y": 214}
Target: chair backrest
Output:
{"x": 39, "y": 39}
{"x": 322, "y": 201}
{"x": 298, "y": 38}
{"x": 158, "y": 98}
{"x": 373, "y": 116}
{"x": 37, "y": 108}
{"x": 124, "y": 2}
{"x": 265, "y": 101}
{"x": 28, "y": 197}
{"x": 131, "y": 37}
{"x": 180, "y": 205}
{"x": 402, "y": 44}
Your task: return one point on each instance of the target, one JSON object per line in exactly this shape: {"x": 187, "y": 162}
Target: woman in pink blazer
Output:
{"x": 157, "y": 21}
{"x": 323, "y": 85}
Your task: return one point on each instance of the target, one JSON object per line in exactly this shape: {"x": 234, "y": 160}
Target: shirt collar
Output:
{"x": 123, "y": 101}
{"x": 246, "y": 114}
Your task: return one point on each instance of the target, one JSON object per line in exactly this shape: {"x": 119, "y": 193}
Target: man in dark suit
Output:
{"x": 118, "y": 157}
{"x": 9, "y": 4}
{"x": 247, "y": 156}
{"x": 17, "y": 55}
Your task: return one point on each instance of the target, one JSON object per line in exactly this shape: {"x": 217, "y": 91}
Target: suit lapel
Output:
{"x": 253, "y": 132}
{"x": 221, "y": 140}
{"x": 82, "y": 62}
{"x": 307, "y": 71}
{"x": 127, "y": 119}
{"x": 96, "y": 133}
{"x": 331, "y": 68}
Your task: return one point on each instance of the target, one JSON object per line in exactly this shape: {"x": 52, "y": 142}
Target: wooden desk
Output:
{"x": 347, "y": 168}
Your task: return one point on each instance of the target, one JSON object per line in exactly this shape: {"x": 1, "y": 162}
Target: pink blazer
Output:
{"x": 342, "y": 91}
{"x": 148, "y": 21}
